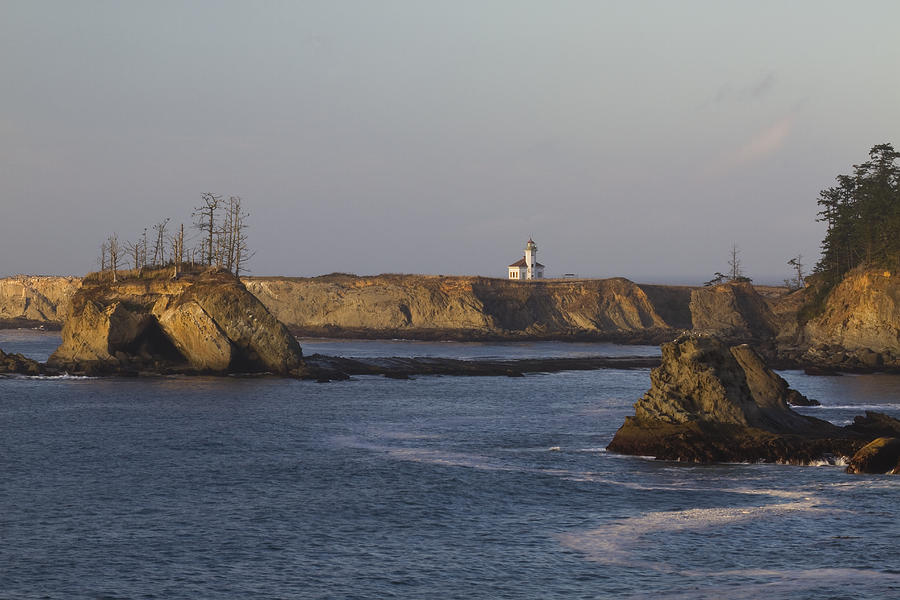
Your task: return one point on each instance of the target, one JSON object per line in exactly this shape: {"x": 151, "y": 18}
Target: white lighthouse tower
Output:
{"x": 530, "y": 259}
{"x": 527, "y": 267}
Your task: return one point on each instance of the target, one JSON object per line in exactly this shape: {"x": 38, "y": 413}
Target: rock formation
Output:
{"x": 199, "y": 323}
{"x": 709, "y": 402}
{"x": 734, "y": 310}
{"x": 16, "y": 363}
{"x": 472, "y": 307}
{"x": 859, "y": 326}
{"x": 30, "y": 300}
{"x": 881, "y": 455}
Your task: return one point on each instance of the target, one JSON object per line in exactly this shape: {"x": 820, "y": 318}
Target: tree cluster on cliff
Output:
{"x": 223, "y": 242}
{"x": 862, "y": 213}
{"x": 223, "y": 226}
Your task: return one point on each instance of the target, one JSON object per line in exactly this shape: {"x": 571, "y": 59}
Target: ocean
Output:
{"x": 435, "y": 487}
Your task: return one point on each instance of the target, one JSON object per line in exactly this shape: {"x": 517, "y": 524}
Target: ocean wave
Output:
{"x": 63, "y": 377}
{"x": 875, "y": 407}
{"x": 620, "y": 542}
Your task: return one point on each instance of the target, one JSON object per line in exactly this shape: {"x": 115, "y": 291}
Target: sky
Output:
{"x": 633, "y": 139}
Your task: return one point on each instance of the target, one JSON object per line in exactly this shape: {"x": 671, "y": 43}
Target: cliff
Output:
{"x": 205, "y": 322}
{"x": 711, "y": 402}
{"x": 734, "y": 310}
{"x": 471, "y": 307}
{"x": 29, "y": 300}
{"x": 859, "y": 324}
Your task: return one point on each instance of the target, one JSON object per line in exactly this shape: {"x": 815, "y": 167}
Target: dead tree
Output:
{"x": 242, "y": 252}
{"x": 178, "y": 250}
{"x": 113, "y": 249}
{"x": 159, "y": 248}
{"x": 205, "y": 220}
{"x": 133, "y": 249}
{"x": 735, "y": 264}
{"x": 799, "y": 281}
{"x": 137, "y": 251}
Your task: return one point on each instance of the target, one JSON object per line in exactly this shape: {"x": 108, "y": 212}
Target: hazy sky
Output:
{"x": 638, "y": 139}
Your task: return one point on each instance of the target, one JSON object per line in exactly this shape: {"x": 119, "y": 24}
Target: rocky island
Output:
{"x": 711, "y": 402}
{"x": 148, "y": 320}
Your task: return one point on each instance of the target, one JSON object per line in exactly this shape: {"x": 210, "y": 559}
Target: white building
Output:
{"x": 527, "y": 267}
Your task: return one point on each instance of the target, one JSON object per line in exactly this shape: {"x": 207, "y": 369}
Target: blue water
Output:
{"x": 439, "y": 487}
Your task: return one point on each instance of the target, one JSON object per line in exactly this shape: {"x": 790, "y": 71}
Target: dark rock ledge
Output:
{"x": 321, "y": 367}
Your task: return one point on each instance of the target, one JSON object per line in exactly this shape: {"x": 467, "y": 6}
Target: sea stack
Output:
{"x": 710, "y": 402}
{"x": 148, "y": 321}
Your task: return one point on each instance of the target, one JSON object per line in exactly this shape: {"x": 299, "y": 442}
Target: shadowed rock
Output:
{"x": 709, "y": 402}
{"x": 16, "y": 363}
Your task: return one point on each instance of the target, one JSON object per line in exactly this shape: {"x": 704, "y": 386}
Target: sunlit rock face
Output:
{"x": 151, "y": 321}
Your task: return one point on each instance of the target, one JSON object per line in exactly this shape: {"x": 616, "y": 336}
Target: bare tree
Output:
{"x": 734, "y": 264}
{"x": 133, "y": 249}
{"x": 239, "y": 251}
{"x": 159, "y": 247}
{"x": 103, "y": 251}
{"x": 797, "y": 282}
{"x": 205, "y": 221}
{"x": 137, "y": 251}
{"x": 114, "y": 250}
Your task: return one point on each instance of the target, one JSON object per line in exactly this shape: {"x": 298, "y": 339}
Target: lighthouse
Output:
{"x": 527, "y": 267}
{"x": 530, "y": 259}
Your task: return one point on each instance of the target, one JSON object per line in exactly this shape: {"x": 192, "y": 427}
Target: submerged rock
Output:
{"x": 709, "y": 402}
{"x": 204, "y": 322}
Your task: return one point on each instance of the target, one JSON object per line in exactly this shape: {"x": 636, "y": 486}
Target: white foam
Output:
{"x": 617, "y": 543}
{"x": 858, "y": 407}
{"x": 63, "y": 377}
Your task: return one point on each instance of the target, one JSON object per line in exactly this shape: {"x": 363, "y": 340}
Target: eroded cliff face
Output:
{"x": 733, "y": 310}
{"x": 859, "y": 328}
{"x": 36, "y": 298}
{"x": 466, "y": 306}
{"x": 207, "y": 322}
{"x": 860, "y": 322}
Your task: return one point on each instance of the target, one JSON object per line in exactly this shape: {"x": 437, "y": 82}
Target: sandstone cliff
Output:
{"x": 860, "y": 323}
{"x": 206, "y": 322}
{"x": 470, "y": 307}
{"x": 859, "y": 327}
{"x": 710, "y": 402}
{"x": 732, "y": 310}
{"x": 36, "y": 299}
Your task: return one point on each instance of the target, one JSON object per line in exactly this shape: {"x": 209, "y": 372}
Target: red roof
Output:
{"x": 521, "y": 263}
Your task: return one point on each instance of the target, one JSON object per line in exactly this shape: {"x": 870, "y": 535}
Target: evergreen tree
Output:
{"x": 862, "y": 213}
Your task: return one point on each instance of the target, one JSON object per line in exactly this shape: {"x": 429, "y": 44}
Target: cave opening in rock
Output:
{"x": 153, "y": 344}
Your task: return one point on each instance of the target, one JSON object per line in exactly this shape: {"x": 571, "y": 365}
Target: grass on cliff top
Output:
{"x": 167, "y": 273}
{"x": 100, "y": 288}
